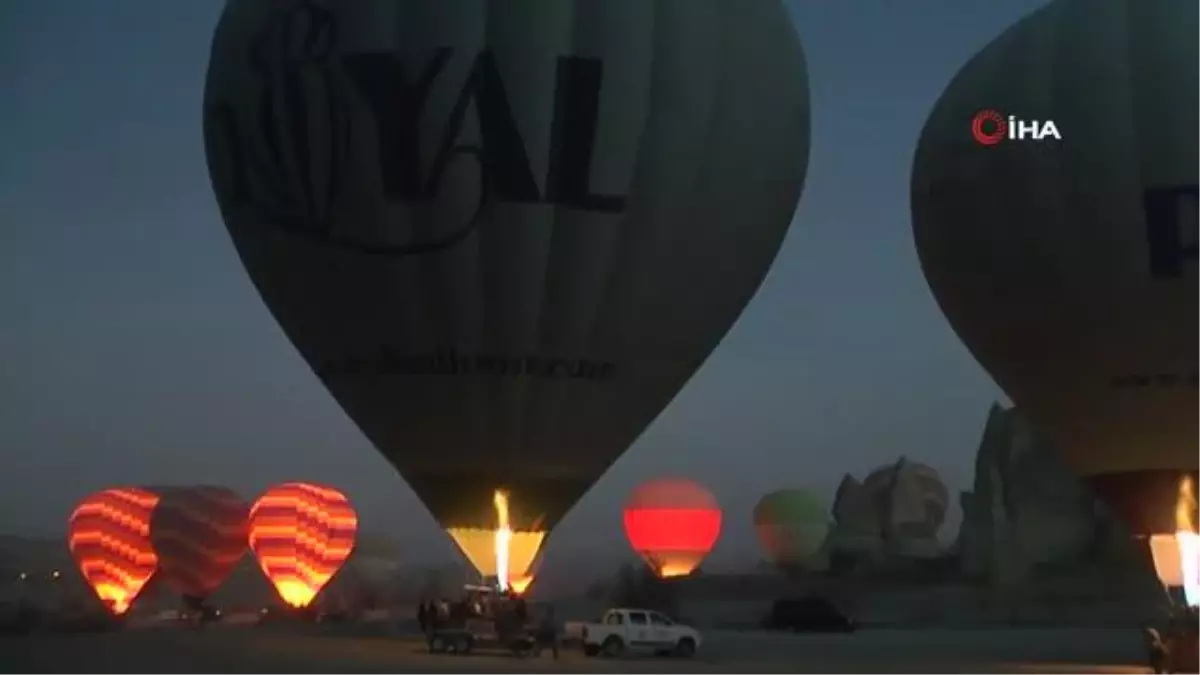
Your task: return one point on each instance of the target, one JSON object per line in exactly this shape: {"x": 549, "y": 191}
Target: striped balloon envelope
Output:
{"x": 672, "y": 524}
{"x": 301, "y": 534}
{"x": 109, "y": 537}
{"x": 199, "y": 533}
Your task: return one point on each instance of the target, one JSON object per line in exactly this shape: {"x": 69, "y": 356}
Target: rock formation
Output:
{"x": 857, "y": 529}
{"x": 894, "y": 514}
{"x": 1027, "y": 513}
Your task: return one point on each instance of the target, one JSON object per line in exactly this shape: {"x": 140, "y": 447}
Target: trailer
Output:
{"x": 1173, "y": 647}
{"x": 483, "y": 620}
{"x": 480, "y": 634}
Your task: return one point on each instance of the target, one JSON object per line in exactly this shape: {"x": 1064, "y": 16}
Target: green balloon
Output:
{"x": 791, "y": 526}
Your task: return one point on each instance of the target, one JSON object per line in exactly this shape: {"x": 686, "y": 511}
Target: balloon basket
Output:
{"x": 1186, "y": 655}
{"x": 1182, "y": 653}
{"x": 1175, "y": 648}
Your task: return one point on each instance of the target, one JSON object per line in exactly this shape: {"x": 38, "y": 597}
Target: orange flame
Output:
{"x": 1177, "y": 555}
{"x": 505, "y": 553}
{"x": 520, "y": 584}
{"x": 1185, "y": 506}
{"x": 503, "y": 538}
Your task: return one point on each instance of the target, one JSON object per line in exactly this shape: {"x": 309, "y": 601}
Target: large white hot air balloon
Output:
{"x": 505, "y": 233}
{"x": 1068, "y": 265}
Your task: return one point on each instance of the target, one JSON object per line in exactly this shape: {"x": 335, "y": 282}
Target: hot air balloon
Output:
{"x": 1068, "y": 265}
{"x": 301, "y": 534}
{"x": 505, "y": 234}
{"x": 109, "y": 537}
{"x": 199, "y": 533}
{"x": 791, "y": 526}
{"x": 672, "y": 524}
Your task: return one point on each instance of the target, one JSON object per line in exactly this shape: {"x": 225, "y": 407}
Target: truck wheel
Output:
{"x": 591, "y": 650}
{"x": 686, "y": 648}
{"x": 463, "y": 646}
{"x": 612, "y": 647}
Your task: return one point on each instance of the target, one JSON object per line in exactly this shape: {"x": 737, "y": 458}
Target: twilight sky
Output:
{"x": 135, "y": 350}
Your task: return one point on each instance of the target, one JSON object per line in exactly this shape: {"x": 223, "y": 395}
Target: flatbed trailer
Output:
{"x": 1173, "y": 647}
{"x": 479, "y": 634}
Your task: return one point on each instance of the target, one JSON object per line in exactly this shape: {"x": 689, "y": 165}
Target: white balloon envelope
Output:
{"x": 506, "y": 233}
{"x": 1068, "y": 265}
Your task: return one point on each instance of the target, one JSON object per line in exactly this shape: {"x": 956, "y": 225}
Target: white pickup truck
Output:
{"x": 634, "y": 630}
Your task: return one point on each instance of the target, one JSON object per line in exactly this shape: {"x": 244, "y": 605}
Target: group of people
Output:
{"x": 1173, "y": 647}
{"x": 509, "y": 612}
{"x": 430, "y": 614}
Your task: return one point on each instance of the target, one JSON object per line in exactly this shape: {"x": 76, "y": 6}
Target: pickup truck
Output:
{"x": 634, "y": 630}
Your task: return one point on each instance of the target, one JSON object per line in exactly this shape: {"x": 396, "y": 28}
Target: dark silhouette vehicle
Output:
{"x": 333, "y": 616}
{"x": 808, "y": 614}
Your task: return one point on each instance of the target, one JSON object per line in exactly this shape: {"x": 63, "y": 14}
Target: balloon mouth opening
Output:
{"x": 1176, "y": 553}
{"x": 673, "y": 564}
{"x": 519, "y": 585}
{"x": 675, "y": 571}
{"x": 503, "y": 552}
{"x": 295, "y": 593}
{"x": 117, "y": 599}
{"x": 117, "y": 603}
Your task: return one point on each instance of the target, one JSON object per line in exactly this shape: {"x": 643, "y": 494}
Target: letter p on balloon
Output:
{"x": 1172, "y": 229}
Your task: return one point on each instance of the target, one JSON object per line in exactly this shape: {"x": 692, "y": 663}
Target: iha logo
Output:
{"x": 990, "y": 127}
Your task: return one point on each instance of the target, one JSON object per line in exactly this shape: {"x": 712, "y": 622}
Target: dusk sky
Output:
{"x": 136, "y": 351}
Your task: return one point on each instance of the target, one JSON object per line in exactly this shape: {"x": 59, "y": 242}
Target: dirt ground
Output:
{"x": 262, "y": 650}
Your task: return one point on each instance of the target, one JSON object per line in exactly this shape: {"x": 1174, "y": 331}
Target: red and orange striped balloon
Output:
{"x": 199, "y": 533}
{"x": 302, "y": 534}
{"x": 109, "y": 537}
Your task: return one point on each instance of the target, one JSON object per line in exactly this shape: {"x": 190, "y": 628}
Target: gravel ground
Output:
{"x": 299, "y": 650}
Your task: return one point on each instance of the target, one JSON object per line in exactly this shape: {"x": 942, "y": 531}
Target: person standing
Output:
{"x": 547, "y": 632}
{"x": 519, "y": 608}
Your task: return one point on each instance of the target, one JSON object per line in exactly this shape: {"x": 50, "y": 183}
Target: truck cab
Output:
{"x": 622, "y": 630}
